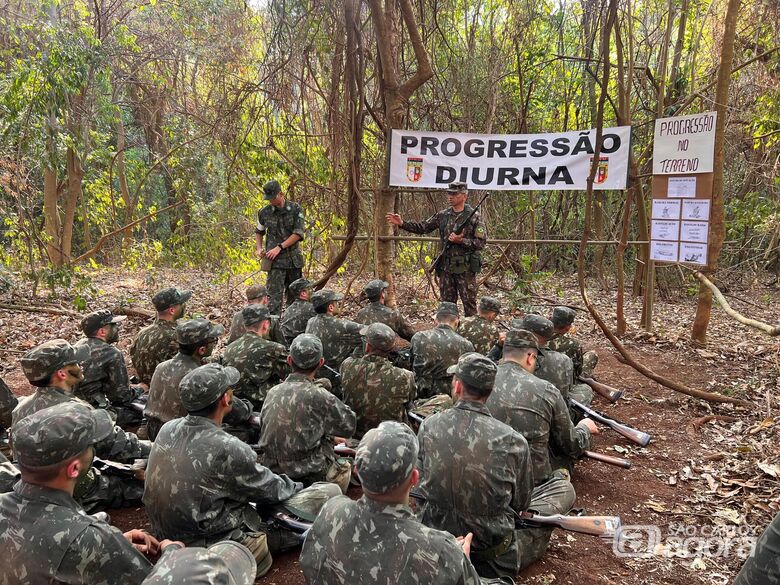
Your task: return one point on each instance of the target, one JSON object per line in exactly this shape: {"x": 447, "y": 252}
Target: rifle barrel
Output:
{"x": 634, "y": 435}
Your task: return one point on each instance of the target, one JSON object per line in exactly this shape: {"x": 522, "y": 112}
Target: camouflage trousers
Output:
{"x": 451, "y": 286}
{"x": 425, "y": 407}
{"x": 763, "y": 566}
{"x": 555, "y": 496}
{"x": 589, "y": 361}
{"x": 428, "y": 387}
{"x": 98, "y": 491}
{"x": 277, "y": 281}
{"x": 9, "y": 475}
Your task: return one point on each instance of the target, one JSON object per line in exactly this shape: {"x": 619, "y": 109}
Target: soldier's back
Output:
{"x": 339, "y": 337}
{"x": 262, "y": 364}
{"x": 568, "y": 345}
{"x": 367, "y": 542}
{"x": 154, "y": 344}
{"x": 164, "y": 402}
{"x": 293, "y": 321}
{"x": 480, "y": 332}
{"x": 433, "y": 351}
{"x": 556, "y": 368}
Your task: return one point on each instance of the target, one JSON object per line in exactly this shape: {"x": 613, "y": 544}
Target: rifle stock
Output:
{"x": 601, "y": 526}
{"x": 603, "y": 390}
{"x": 638, "y": 437}
{"x": 616, "y": 461}
{"x": 343, "y": 450}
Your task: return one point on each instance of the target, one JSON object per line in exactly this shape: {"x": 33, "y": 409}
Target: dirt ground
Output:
{"x": 710, "y": 470}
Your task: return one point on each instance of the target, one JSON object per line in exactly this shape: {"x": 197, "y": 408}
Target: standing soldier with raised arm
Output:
{"x": 281, "y": 223}
{"x": 461, "y": 260}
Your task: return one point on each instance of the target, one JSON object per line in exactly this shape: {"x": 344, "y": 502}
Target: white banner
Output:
{"x": 509, "y": 162}
{"x": 684, "y": 145}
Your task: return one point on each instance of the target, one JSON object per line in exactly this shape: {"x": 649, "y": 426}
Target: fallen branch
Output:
{"x": 133, "y": 312}
{"x": 37, "y": 309}
{"x": 697, "y": 423}
{"x": 773, "y": 330}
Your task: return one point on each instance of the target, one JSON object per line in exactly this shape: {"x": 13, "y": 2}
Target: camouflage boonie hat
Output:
{"x": 197, "y": 331}
{"x": 256, "y": 291}
{"x": 520, "y": 338}
{"x": 223, "y": 563}
{"x": 374, "y": 288}
{"x": 457, "y": 187}
{"x": 55, "y": 434}
{"x": 447, "y": 309}
{"x": 169, "y": 297}
{"x": 97, "y": 319}
{"x": 542, "y": 326}
{"x": 43, "y": 360}
{"x": 386, "y": 456}
{"x": 322, "y": 298}
{"x": 271, "y": 189}
{"x": 306, "y": 351}
{"x": 476, "y": 370}
{"x": 298, "y": 286}
{"x": 563, "y": 316}
{"x": 490, "y": 304}
{"x": 380, "y": 336}
{"x": 307, "y": 504}
{"x": 254, "y": 314}
{"x": 204, "y": 385}
{"x": 516, "y": 323}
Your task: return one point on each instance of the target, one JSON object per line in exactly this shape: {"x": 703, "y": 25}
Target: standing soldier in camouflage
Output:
{"x": 300, "y": 420}
{"x": 156, "y": 343}
{"x": 481, "y": 329}
{"x": 435, "y": 350}
{"x": 377, "y": 312}
{"x": 256, "y": 294}
{"x": 196, "y": 339}
{"x": 54, "y": 369}
{"x": 536, "y": 409}
{"x": 461, "y": 261}
{"x": 282, "y": 224}
{"x": 297, "y": 313}
{"x": 374, "y": 388}
{"x": 340, "y": 337}
{"x": 45, "y": 536}
{"x": 584, "y": 362}
{"x": 261, "y": 363}
{"x": 201, "y": 482}
{"x": 377, "y": 539}
{"x": 106, "y": 383}
{"x": 552, "y": 366}
{"x": 476, "y": 476}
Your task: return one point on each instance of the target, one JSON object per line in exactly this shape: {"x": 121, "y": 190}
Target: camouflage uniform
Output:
{"x": 536, "y": 409}
{"x": 763, "y": 566}
{"x": 224, "y": 563}
{"x": 377, "y": 312}
{"x": 7, "y": 404}
{"x": 201, "y": 481}
{"x": 45, "y": 536}
{"x": 340, "y": 337}
{"x": 9, "y": 475}
{"x": 478, "y": 330}
{"x": 262, "y": 365}
{"x": 237, "y": 329}
{"x": 583, "y": 362}
{"x": 164, "y": 403}
{"x": 294, "y": 320}
{"x": 458, "y": 268}
{"x": 277, "y": 224}
{"x": 433, "y": 351}
{"x": 368, "y": 542}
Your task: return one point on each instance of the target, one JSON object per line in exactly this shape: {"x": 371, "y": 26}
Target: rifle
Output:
{"x": 294, "y": 524}
{"x": 638, "y": 437}
{"x": 609, "y": 459}
{"x": 343, "y": 450}
{"x": 601, "y": 526}
{"x": 334, "y": 373}
{"x": 603, "y": 390}
{"x": 458, "y": 229}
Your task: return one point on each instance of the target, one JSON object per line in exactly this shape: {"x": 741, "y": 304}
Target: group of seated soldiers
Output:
{"x": 235, "y": 439}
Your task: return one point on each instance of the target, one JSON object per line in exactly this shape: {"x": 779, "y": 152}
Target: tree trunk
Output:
{"x": 51, "y": 214}
{"x": 717, "y": 221}
{"x": 72, "y": 197}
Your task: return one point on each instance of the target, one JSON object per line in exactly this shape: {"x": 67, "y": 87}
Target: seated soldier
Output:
{"x": 196, "y": 339}
{"x": 256, "y": 294}
{"x": 54, "y": 368}
{"x": 224, "y": 563}
{"x": 377, "y": 539}
{"x": 435, "y": 350}
{"x": 763, "y": 565}
{"x": 551, "y": 366}
{"x": 476, "y": 475}
{"x": 106, "y": 383}
{"x": 7, "y": 404}
{"x": 45, "y": 536}
{"x": 261, "y": 363}
{"x": 584, "y": 362}
{"x": 203, "y": 484}
{"x": 377, "y": 312}
{"x": 300, "y": 420}
{"x": 535, "y": 408}
{"x": 156, "y": 343}
{"x": 481, "y": 329}
{"x": 340, "y": 337}
{"x": 378, "y": 391}
{"x": 297, "y": 313}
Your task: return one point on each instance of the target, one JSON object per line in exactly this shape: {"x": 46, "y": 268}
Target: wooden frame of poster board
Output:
{"x": 660, "y": 189}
